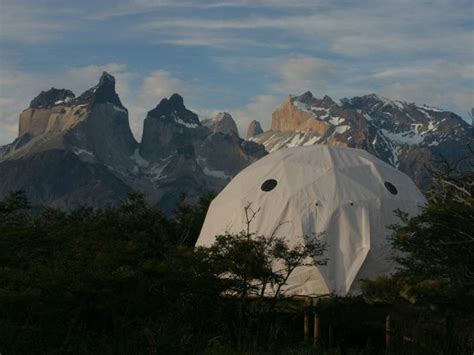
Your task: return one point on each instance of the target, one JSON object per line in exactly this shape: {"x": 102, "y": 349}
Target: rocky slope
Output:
{"x": 254, "y": 129}
{"x": 406, "y": 135}
{"x": 222, "y": 123}
{"x": 72, "y": 151}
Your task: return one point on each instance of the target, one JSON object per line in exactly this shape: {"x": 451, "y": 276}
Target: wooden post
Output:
{"x": 306, "y": 325}
{"x": 306, "y": 319}
{"x": 317, "y": 331}
{"x": 388, "y": 332}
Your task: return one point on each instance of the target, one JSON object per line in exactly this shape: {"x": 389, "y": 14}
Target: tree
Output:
{"x": 100, "y": 281}
{"x": 256, "y": 265}
{"x": 189, "y": 218}
{"x": 254, "y": 270}
{"x": 435, "y": 253}
{"x": 437, "y": 246}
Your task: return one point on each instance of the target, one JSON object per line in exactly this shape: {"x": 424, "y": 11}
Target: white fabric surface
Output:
{"x": 338, "y": 191}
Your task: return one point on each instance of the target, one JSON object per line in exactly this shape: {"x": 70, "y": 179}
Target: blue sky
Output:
{"x": 242, "y": 56}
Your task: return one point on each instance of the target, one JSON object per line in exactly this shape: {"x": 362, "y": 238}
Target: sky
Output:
{"x": 240, "y": 56}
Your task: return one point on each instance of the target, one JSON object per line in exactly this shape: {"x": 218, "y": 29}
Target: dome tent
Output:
{"x": 346, "y": 194}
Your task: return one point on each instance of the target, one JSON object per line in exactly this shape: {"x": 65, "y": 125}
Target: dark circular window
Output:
{"x": 269, "y": 185}
{"x": 391, "y": 188}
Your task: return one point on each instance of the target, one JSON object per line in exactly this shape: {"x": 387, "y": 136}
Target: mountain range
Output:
{"x": 405, "y": 135}
{"x": 72, "y": 151}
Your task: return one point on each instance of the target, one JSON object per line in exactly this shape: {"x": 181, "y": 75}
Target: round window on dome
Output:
{"x": 269, "y": 185}
{"x": 391, "y": 188}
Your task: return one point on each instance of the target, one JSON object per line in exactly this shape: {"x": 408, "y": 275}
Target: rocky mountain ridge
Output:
{"x": 405, "y": 135}
{"x": 80, "y": 150}
{"x": 83, "y": 151}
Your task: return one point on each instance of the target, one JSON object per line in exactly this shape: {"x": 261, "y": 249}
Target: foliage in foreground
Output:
{"x": 125, "y": 280}
{"x": 436, "y": 257}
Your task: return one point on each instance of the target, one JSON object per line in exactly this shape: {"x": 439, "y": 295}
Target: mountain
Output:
{"x": 223, "y": 123}
{"x": 80, "y": 150}
{"x": 254, "y": 129}
{"x": 405, "y": 135}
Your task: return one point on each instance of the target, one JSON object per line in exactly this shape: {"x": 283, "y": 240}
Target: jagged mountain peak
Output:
{"x": 309, "y": 99}
{"x": 374, "y": 102}
{"x": 176, "y": 100}
{"x": 103, "y": 92}
{"x": 88, "y": 141}
{"x": 106, "y": 79}
{"x": 166, "y": 106}
{"x": 221, "y": 123}
{"x": 304, "y": 97}
{"x": 174, "y": 110}
{"x": 51, "y": 97}
{"x": 403, "y": 134}
{"x": 223, "y": 116}
{"x": 255, "y": 128}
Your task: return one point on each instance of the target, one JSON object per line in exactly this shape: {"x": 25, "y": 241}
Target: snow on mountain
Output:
{"x": 406, "y": 135}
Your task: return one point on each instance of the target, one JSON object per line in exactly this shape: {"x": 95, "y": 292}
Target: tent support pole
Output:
{"x": 317, "y": 331}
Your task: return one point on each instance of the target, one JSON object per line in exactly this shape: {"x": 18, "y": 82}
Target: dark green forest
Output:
{"x": 127, "y": 279}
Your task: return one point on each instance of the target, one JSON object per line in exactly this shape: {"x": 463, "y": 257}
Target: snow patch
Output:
{"x": 215, "y": 173}
{"x": 410, "y": 137}
{"x": 139, "y": 159}
{"x": 296, "y": 140}
{"x": 186, "y": 124}
{"x": 181, "y": 122}
{"x": 312, "y": 140}
{"x": 429, "y": 108}
{"x": 342, "y": 129}
{"x": 120, "y": 109}
{"x": 301, "y": 105}
{"x": 424, "y": 113}
{"x": 79, "y": 151}
{"x": 336, "y": 121}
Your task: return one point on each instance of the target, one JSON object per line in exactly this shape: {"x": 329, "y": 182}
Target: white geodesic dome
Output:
{"x": 348, "y": 194}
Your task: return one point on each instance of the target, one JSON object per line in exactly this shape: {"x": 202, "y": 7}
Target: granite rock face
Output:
{"x": 222, "y": 123}
{"x": 80, "y": 150}
{"x": 254, "y": 129}
{"x": 51, "y": 97}
{"x": 405, "y": 135}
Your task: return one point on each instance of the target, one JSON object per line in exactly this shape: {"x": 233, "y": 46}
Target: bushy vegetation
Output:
{"x": 433, "y": 291}
{"x": 127, "y": 280}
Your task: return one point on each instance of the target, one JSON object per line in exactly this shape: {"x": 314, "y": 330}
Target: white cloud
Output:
{"x": 35, "y": 23}
{"x": 135, "y": 7}
{"x": 260, "y": 109}
{"x": 212, "y": 40}
{"x": 15, "y": 88}
{"x": 358, "y": 29}
{"x": 154, "y": 87}
{"x": 445, "y": 84}
{"x": 18, "y": 88}
{"x": 300, "y": 73}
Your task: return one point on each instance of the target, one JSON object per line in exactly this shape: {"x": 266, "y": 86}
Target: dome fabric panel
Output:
{"x": 339, "y": 192}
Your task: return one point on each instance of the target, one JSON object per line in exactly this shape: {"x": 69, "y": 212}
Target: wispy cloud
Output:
{"x": 299, "y": 73}
{"x": 443, "y": 83}
{"x": 245, "y": 54}
{"x": 26, "y": 23}
{"x": 137, "y": 7}
{"x": 260, "y": 109}
{"x": 18, "y": 88}
{"x": 139, "y": 93}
